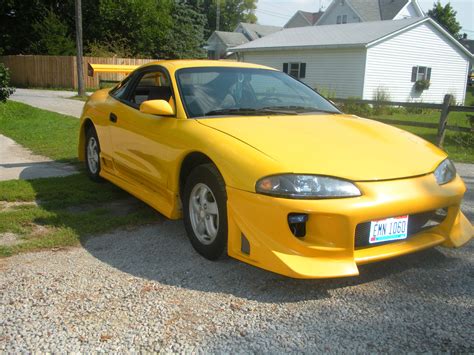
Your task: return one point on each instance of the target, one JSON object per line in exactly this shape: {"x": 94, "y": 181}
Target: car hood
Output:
{"x": 345, "y": 146}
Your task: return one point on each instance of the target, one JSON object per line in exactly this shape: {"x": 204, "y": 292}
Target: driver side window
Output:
{"x": 151, "y": 86}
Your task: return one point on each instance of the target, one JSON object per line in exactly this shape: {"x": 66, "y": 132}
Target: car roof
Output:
{"x": 176, "y": 64}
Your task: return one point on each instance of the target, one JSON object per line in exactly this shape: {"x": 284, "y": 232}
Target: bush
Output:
{"x": 381, "y": 94}
{"x": 5, "y": 89}
{"x": 328, "y": 93}
{"x": 351, "y": 107}
{"x": 421, "y": 85}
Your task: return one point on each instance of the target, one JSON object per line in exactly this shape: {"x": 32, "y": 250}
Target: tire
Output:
{"x": 205, "y": 211}
{"x": 92, "y": 155}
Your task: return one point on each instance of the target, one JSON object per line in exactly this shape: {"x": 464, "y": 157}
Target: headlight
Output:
{"x": 306, "y": 186}
{"x": 445, "y": 172}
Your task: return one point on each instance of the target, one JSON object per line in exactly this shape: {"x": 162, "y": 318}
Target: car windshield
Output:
{"x": 222, "y": 91}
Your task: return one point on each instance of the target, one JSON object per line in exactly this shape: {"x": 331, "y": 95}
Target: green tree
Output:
{"x": 446, "y": 17}
{"x": 16, "y": 19}
{"x": 232, "y": 12}
{"x": 143, "y": 24}
{"x": 185, "y": 38}
{"x": 53, "y": 37}
{"x": 143, "y": 28}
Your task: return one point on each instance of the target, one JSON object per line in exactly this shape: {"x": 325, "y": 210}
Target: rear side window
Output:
{"x": 151, "y": 86}
{"x": 120, "y": 90}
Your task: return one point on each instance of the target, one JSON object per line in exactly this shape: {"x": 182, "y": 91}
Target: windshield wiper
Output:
{"x": 250, "y": 111}
{"x": 300, "y": 109}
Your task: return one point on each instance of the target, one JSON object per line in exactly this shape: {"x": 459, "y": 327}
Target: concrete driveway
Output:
{"x": 51, "y": 100}
{"x": 16, "y": 162}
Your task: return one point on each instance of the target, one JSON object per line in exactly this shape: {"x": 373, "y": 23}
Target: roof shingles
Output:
{"x": 231, "y": 38}
{"x": 352, "y": 34}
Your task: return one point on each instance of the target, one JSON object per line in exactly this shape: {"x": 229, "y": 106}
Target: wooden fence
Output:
{"x": 59, "y": 71}
{"x": 441, "y": 126}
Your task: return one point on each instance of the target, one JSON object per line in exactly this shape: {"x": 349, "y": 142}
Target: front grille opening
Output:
{"x": 297, "y": 224}
{"x": 417, "y": 223}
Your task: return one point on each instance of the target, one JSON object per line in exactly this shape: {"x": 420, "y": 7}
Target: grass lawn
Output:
{"x": 459, "y": 146}
{"x": 44, "y": 132}
{"x": 58, "y": 212}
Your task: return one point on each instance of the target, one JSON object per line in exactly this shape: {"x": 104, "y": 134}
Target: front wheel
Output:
{"x": 205, "y": 211}
{"x": 92, "y": 155}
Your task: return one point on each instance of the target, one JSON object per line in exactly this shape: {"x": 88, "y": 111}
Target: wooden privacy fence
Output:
{"x": 59, "y": 71}
{"x": 441, "y": 126}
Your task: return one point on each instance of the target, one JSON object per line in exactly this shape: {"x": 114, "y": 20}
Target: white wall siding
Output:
{"x": 389, "y": 65}
{"x": 338, "y": 71}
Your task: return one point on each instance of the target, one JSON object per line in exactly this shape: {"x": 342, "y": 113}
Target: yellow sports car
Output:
{"x": 261, "y": 166}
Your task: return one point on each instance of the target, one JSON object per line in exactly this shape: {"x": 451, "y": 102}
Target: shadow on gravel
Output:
{"x": 162, "y": 253}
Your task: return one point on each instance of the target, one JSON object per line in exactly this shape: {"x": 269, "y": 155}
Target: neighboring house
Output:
{"x": 303, "y": 19}
{"x": 254, "y": 31}
{"x": 350, "y": 11}
{"x": 469, "y": 44}
{"x": 358, "y": 59}
{"x": 220, "y": 41}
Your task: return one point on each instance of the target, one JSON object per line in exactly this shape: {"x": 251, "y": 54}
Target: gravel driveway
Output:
{"x": 146, "y": 289}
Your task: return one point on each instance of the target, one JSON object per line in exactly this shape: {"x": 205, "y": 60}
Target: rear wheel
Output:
{"x": 205, "y": 211}
{"x": 92, "y": 154}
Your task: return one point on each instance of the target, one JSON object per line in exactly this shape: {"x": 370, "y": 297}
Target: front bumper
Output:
{"x": 259, "y": 233}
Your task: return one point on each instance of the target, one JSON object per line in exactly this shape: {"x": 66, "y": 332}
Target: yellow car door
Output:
{"x": 142, "y": 148}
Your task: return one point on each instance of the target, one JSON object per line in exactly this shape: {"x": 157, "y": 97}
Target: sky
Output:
{"x": 278, "y": 12}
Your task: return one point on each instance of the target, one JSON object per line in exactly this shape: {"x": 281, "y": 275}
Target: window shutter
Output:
{"x": 414, "y": 71}
{"x": 302, "y": 70}
{"x": 428, "y": 74}
{"x": 285, "y": 68}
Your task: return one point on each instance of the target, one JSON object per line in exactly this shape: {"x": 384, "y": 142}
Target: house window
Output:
{"x": 296, "y": 70}
{"x": 341, "y": 19}
{"x": 420, "y": 73}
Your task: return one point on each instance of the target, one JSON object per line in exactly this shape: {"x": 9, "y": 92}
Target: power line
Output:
{"x": 274, "y": 14}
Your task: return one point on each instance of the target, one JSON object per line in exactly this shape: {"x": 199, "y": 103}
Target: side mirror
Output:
{"x": 157, "y": 107}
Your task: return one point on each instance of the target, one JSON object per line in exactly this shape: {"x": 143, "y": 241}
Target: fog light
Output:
{"x": 297, "y": 224}
{"x": 440, "y": 214}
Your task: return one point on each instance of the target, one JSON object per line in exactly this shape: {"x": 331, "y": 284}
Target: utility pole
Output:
{"x": 218, "y": 14}
{"x": 80, "y": 72}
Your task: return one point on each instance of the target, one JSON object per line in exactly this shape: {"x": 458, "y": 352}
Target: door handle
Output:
{"x": 113, "y": 117}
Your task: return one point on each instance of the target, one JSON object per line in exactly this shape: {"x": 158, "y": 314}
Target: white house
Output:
{"x": 358, "y": 59}
{"x": 350, "y": 11}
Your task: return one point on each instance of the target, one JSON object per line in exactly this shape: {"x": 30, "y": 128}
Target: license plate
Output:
{"x": 388, "y": 229}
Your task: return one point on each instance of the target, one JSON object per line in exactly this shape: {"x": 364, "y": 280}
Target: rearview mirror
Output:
{"x": 157, "y": 107}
